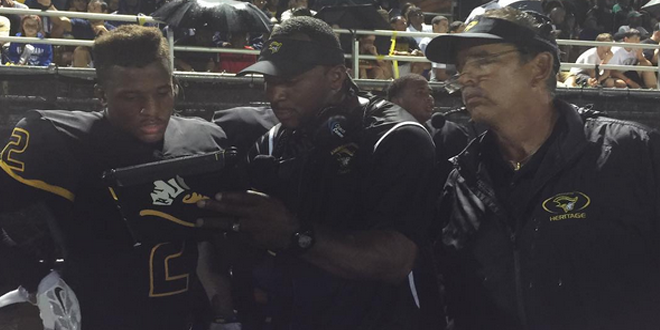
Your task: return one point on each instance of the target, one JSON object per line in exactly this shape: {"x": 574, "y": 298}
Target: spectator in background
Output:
{"x": 590, "y": 29}
{"x": 602, "y": 13}
{"x": 30, "y": 54}
{"x": 439, "y": 71}
{"x": 413, "y": 93}
{"x": 78, "y": 5}
{"x": 406, "y": 46}
{"x": 197, "y": 61}
{"x": 555, "y": 10}
{"x": 654, "y": 39}
{"x": 634, "y": 22}
{"x": 439, "y": 24}
{"x": 589, "y": 77}
{"x": 632, "y": 56}
{"x": 261, "y": 4}
{"x": 81, "y": 28}
{"x": 405, "y": 8}
{"x": 234, "y": 63}
{"x": 293, "y": 5}
{"x": 271, "y": 7}
{"x": 416, "y": 22}
{"x": 113, "y": 5}
{"x": 373, "y": 69}
{"x": 621, "y": 10}
{"x": 5, "y": 26}
{"x": 15, "y": 20}
{"x": 456, "y": 27}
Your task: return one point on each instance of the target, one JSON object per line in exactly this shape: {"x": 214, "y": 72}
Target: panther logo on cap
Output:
{"x": 275, "y": 47}
{"x": 471, "y": 25}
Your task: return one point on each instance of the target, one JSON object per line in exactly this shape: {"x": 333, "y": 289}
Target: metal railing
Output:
{"x": 355, "y": 55}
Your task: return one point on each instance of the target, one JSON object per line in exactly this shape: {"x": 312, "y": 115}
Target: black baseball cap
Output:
{"x": 444, "y": 48}
{"x": 286, "y": 57}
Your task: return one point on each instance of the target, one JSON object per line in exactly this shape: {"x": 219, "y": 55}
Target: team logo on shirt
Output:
{"x": 567, "y": 205}
{"x": 344, "y": 156}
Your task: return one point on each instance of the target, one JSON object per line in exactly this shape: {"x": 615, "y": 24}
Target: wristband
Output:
{"x": 44, "y": 8}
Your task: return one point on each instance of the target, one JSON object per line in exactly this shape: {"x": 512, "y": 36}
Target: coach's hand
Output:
{"x": 263, "y": 219}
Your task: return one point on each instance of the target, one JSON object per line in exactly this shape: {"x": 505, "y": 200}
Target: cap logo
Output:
{"x": 470, "y": 26}
{"x": 275, "y": 47}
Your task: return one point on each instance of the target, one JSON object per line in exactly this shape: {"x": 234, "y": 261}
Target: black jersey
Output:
{"x": 60, "y": 156}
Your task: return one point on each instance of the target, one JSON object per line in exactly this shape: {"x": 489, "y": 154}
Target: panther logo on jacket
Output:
{"x": 567, "y": 205}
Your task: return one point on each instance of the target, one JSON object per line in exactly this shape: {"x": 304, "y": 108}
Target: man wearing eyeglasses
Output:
{"x": 550, "y": 218}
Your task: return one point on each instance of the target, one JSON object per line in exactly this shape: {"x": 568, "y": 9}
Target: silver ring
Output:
{"x": 236, "y": 226}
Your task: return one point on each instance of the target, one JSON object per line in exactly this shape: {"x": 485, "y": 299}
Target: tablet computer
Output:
{"x": 158, "y": 200}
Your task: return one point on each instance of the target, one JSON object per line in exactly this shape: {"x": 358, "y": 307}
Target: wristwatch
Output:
{"x": 302, "y": 240}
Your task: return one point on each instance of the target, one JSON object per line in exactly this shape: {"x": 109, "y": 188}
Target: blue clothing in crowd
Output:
{"x": 41, "y": 56}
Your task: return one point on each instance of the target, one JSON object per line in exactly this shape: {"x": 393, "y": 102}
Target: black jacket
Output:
{"x": 578, "y": 251}
{"x": 354, "y": 169}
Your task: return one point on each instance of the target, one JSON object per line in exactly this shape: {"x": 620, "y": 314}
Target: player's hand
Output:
{"x": 261, "y": 218}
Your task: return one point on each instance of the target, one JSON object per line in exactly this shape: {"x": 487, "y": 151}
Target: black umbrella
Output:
{"x": 215, "y": 15}
{"x": 357, "y": 17}
{"x": 652, "y": 7}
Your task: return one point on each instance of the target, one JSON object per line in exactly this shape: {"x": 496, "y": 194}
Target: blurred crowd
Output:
{"x": 601, "y": 20}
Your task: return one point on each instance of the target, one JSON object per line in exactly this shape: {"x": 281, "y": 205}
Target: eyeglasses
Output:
{"x": 476, "y": 66}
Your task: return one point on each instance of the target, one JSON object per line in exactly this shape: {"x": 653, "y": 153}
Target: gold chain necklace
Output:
{"x": 517, "y": 165}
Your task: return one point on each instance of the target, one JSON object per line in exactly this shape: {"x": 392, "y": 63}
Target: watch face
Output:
{"x": 305, "y": 240}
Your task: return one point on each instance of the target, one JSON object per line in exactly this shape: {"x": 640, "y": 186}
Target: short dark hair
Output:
{"x": 438, "y": 19}
{"x": 130, "y": 46}
{"x": 537, "y": 23}
{"x": 414, "y": 10}
{"x": 396, "y": 88}
{"x": 455, "y": 25}
{"x": 301, "y": 11}
{"x": 396, "y": 18}
{"x": 315, "y": 29}
{"x": 656, "y": 27}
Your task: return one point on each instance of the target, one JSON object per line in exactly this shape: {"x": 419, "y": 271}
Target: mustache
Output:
{"x": 471, "y": 92}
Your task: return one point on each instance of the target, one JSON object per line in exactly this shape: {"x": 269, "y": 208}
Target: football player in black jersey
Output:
{"x": 53, "y": 162}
